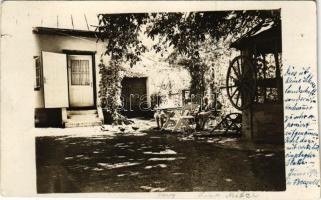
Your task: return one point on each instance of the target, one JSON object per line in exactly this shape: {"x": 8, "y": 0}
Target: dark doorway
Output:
{"x": 134, "y": 97}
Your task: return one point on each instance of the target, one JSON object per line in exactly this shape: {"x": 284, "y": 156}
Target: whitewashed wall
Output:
{"x": 57, "y": 44}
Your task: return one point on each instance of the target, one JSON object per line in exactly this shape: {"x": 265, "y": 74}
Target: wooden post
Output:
{"x": 247, "y": 124}
{"x": 264, "y": 75}
{"x": 278, "y": 77}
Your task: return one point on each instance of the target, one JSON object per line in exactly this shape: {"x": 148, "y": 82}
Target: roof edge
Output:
{"x": 64, "y": 32}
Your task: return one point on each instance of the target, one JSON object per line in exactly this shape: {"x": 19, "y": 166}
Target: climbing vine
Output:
{"x": 110, "y": 89}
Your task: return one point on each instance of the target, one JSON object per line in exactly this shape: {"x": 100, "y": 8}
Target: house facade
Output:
{"x": 67, "y": 79}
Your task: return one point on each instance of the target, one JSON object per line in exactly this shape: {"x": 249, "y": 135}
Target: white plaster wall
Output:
{"x": 55, "y": 43}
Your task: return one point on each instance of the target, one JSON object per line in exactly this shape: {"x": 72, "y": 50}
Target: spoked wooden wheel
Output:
{"x": 241, "y": 82}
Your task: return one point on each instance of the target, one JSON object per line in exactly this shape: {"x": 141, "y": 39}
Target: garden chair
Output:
{"x": 170, "y": 116}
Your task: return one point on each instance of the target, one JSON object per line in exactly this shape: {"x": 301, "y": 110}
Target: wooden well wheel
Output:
{"x": 241, "y": 82}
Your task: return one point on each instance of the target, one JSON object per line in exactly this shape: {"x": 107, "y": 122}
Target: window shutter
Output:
{"x": 55, "y": 80}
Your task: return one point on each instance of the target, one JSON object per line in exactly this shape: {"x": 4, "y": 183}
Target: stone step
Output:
{"x": 71, "y": 124}
{"x": 83, "y": 117}
{"x": 81, "y": 112}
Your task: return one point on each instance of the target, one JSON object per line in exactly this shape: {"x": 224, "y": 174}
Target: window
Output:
{"x": 80, "y": 72}
{"x": 37, "y": 84}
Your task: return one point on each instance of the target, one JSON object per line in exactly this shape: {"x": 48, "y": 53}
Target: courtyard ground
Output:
{"x": 127, "y": 159}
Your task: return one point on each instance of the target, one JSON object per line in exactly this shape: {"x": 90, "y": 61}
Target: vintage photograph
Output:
{"x": 159, "y": 102}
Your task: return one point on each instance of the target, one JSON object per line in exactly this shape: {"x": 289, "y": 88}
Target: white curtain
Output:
{"x": 80, "y": 72}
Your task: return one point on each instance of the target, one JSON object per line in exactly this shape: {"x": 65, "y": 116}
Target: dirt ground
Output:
{"x": 121, "y": 159}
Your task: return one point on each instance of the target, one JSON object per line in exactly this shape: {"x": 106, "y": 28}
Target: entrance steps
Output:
{"x": 82, "y": 118}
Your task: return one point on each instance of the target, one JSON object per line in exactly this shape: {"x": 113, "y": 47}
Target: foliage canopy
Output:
{"x": 198, "y": 39}
{"x": 185, "y": 32}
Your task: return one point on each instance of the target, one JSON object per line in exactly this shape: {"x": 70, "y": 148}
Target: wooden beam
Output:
{"x": 77, "y": 52}
{"x": 65, "y": 32}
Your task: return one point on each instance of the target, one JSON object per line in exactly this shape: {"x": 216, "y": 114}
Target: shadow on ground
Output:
{"x": 154, "y": 162}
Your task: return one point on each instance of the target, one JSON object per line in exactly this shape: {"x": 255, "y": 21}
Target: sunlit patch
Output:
{"x": 255, "y": 155}
{"x": 60, "y": 138}
{"x": 212, "y": 140}
{"x": 228, "y": 180}
{"x": 166, "y": 152}
{"x": 69, "y": 158}
{"x": 151, "y": 189}
{"x": 177, "y": 173}
{"x": 227, "y": 140}
{"x": 134, "y": 173}
{"x": 117, "y": 165}
{"x": 187, "y": 138}
{"x": 155, "y": 166}
{"x": 161, "y": 159}
{"x": 119, "y": 144}
{"x": 121, "y": 156}
{"x": 158, "y": 189}
{"x": 146, "y": 187}
{"x": 121, "y": 175}
{"x": 97, "y": 169}
{"x": 269, "y": 155}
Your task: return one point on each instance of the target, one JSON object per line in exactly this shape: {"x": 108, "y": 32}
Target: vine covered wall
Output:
{"x": 110, "y": 88}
